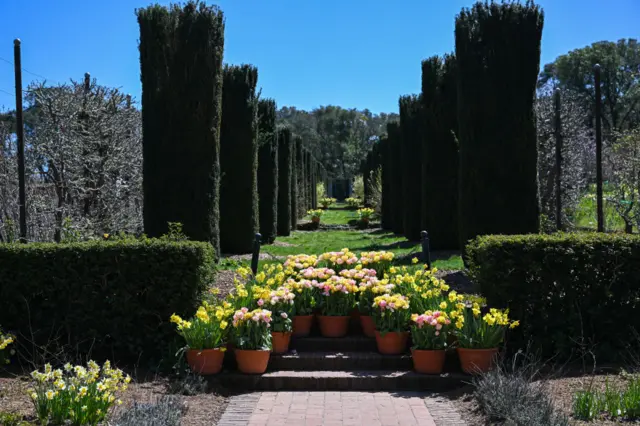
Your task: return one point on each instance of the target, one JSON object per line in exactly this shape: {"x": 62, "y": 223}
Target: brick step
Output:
{"x": 386, "y": 380}
{"x": 343, "y": 361}
{"x": 351, "y": 343}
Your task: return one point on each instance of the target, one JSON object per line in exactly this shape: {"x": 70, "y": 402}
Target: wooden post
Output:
{"x": 558, "y": 132}
{"x": 22, "y": 196}
{"x": 598, "y": 117}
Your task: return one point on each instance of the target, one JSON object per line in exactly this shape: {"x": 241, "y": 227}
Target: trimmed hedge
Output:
{"x": 181, "y": 73}
{"x": 395, "y": 172}
{"x": 268, "y": 170}
{"x": 411, "y": 165}
{"x": 239, "y": 215}
{"x": 387, "y": 188}
{"x": 440, "y": 153}
{"x": 498, "y": 59}
{"x": 295, "y": 175}
{"x": 564, "y": 289}
{"x": 110, "y": 299}
{"x": 284, "y": 181}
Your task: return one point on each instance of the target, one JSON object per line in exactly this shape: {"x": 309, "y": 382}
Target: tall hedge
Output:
{"x": 411, "y": 165}
{"x": 268, "y": 170}
{"x": 387, "y": 187}
{"x": 314, "y": 183}
{"x": 295, "y": 142}
{"x": 498, "y": 57}
{"x": 569, "y": 291}
{"x": 440, "y": 153}
{"x": 284, "y": 181}
{"x": 304, "y": 189}
{"x": 110, "y": 299}
{"x": 239, "y": 216}
{"x": 300, "y": 210}
{"x": 395, "y": 172}
{"x": 181, "y": 73}
{"x": 308, "y": 179}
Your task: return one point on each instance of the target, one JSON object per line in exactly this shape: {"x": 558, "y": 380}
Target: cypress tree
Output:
{"x": 294, "y": 181}
{"x": 300, "y": 210}
{"x": 498, "y": 59}
{"x": 304, "y": 200}
{"x": 181, "y": 73}
{"x": 239, "y": 216}
{"x": 314, "y": 183}
{"x": 387, "y": 207}
{"x": 395, "y": 147}
{"x": 309, "y": 183}
{"x": 440, "y": 153}
{"x": 284, "y": 181}
{"x": 411, "y": 166}
{"x": 268, "y": 170}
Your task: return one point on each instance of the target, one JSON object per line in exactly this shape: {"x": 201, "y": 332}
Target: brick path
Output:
{"x": 339, "y": 409}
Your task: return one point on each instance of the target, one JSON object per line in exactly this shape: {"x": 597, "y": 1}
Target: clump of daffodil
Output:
{"x": 325, "y": 202}
{"x": 364, "y": 213}
{"x": 77, "y": 394}
{"x": 208, "y": 327}
{"x": 315, "y": 214}
{"x": 353, "y": 202}
{"x": 483, "y": 331}
{"x": 6, "y": 340}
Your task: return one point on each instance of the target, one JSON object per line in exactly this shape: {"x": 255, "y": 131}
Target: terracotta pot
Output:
{"x": 428, "y": 361}
{"x": 368, "y": 326}
{"x": 392, "y": 343}
{"x": 302, "y": 325}
{"x": 280, "y": 342}
{"x": 205, "y": 361}
{"x": 315, "y": 219}
{"x": 474, "y": 361}
{"x": 333, "y": 326}
{"x": 252, "y": 362}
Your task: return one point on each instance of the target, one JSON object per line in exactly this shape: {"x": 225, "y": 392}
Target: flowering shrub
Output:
{"x": 78, "y": 395}
{"x": 252, "y": 329}
{"x": 304, "y": 302}
{"x": 391, "y": 313}
{"x": 353, "y": 202}
{"x": 429, "y": 330}
{"x": 208, "y": 328}
{"x": 315, "y": 214}
{"x": 281, "y": 304}
{"x": 337, "y": 296}
{"x": 325, "y": 202}
{"x": 484, "y": 332}
{"x": 6, "y": 339}
{"x": 364, "y": 213}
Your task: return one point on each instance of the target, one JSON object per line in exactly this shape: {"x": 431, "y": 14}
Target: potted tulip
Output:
{"x": 315, "y": 216}
{"x": 252, "y": 340}
{"x": 205, "y": 336}
{"x": 339, "y": 260}
{"x": 364, "y": 216}
{"x": 281, "y": 304}
{"x": 353, "y": 202}
{"x": 378, "y": 260}
{"x": 479, "y": 338}
{"x": 391, "y": 317}
{"x": 337, "y": 300}
{"x": 429, "y": 335}
{"x": 367, "y": 286}
{"x": 326, "y": 202}
{"x": 304, "y": 304}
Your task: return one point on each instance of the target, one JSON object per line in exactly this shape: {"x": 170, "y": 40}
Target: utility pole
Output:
{"x": 22, "y": 196}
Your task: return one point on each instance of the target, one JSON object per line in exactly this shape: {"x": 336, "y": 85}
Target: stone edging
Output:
{"x": 240, "y": 409}
{"x": 443, "y": 411}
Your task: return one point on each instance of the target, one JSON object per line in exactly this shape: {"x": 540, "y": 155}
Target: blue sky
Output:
{"x": 352, "y": 53}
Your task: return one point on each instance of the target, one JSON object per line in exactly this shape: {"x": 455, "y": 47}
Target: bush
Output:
{"x": 167, "y": 411}
{"x": 181, "y": 118}
{"x": 111, "y": 299}
{"x": 396, "y": 177}
{"x": 284, "y": 181}
{"x": 498, "y": 60}
{"x": 567, "y": 290}
{"x": 296, "y": 143}
{"x": 411, "y": 165}
{"x": 239, "y": 217}
{"x": 268, "y": 170}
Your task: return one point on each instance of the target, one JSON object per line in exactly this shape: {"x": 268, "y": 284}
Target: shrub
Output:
{"x": 386, "y": 207}
{"x": 498, "y": 60}
{"x": 239, "y": 217}
{"x": 111, "y": 298}
{"x": 411, "y": 165}
{"x": 268, "y": 170}
{"x": 567, "y": 290}
{"x": 284, "y": 181}
{"x": 167, "y": 411}
{"x": 181, "y": 118}
{"x": 395, "y": 174}
{"x": 295, "y": 143}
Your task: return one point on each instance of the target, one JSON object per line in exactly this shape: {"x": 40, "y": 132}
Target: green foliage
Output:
{"x": 498, "y": 58}
{"x": 268, "y": 170}
{"x": 301, "y": 196}
{"x": 108, "y": 298}
{"x": 239, "y": 217}
{"x": 386, "y": 207}
{"x": 616, "y": 402}
{"x": 181, "y": 67}
{"x": 440, "y": 152}
{"x": 395, "y": 172}
{"x": 620, "y": 62}
{"x": 295, "y": 174}
{"x": 284, "y": 181}
{"x": 567, "y": 290}
{"x": 411, "y": 165}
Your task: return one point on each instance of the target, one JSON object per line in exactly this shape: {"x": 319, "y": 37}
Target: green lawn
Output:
{"x": 337, "y": 215}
